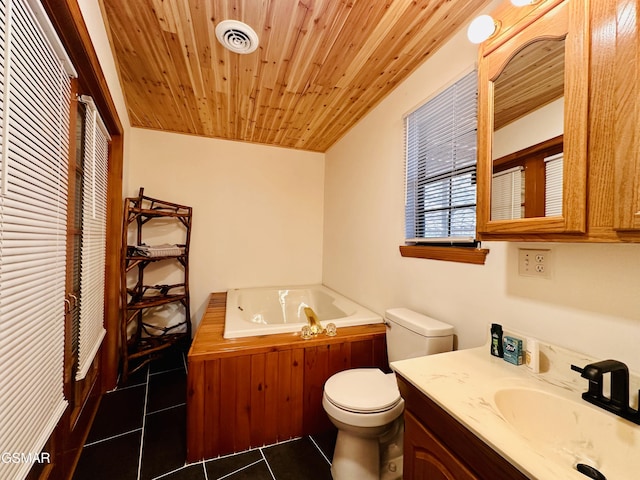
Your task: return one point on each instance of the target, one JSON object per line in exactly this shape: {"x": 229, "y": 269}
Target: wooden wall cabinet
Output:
{"x": 523, "y": 38}
{"x": 627, "y": 120}
{"x": 438, "y": 447}
{"x": 601, "y": 184}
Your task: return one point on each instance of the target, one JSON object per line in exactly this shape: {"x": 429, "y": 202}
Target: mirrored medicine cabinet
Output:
{"x": 532, "y": 121}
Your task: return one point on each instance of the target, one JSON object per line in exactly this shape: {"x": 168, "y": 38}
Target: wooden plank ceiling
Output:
{"x": 320, "y": 67}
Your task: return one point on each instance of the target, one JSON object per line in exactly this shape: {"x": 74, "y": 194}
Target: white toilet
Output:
{"x": 365, "y": 404}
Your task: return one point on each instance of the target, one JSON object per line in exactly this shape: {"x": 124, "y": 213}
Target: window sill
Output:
{"x": 475, "y": 256}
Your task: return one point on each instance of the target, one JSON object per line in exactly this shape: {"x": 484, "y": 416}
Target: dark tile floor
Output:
{"x": 139, "y": 434}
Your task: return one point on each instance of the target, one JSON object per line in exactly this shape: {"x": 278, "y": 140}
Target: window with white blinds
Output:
{"x": 507, "y": 194}
{"x": 553, "y": 169}
{"x": 440, "y": 141}
{"x": 94, "y": 235}
{"x": 33, "y": 203}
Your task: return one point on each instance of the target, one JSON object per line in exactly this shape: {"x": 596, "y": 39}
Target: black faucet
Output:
{"x": 618, "y": 402}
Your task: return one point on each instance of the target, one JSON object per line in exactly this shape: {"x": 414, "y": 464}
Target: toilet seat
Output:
{"x": 363, "y": 390}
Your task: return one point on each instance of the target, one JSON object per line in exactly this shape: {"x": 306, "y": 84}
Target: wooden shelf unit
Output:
{"x": 141, "y": 341}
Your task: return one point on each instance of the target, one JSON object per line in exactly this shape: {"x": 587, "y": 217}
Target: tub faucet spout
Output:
{"x": 314, "y": 323}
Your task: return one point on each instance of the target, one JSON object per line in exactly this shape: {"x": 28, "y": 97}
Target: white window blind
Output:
{"x": 94, "y": 235}
{"x": 553, "y": 168}
{"x": 507, "y": 194}
{"x": 440, "y": 166}
{"x": 33, "y": 203}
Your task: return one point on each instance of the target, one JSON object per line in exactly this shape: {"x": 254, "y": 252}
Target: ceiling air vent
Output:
{"x": 237, "y": 36}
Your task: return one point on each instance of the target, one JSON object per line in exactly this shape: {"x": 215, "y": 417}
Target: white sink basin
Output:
{"x": 572, "y": 432}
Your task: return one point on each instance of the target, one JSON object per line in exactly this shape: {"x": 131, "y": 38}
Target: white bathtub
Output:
{"x": 269, "y": 310}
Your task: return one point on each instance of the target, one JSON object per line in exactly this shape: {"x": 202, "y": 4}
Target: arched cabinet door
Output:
{"x": 533, "y": 91}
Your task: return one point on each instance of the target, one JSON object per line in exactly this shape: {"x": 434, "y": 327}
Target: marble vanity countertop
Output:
{"x": 464, "y": 383}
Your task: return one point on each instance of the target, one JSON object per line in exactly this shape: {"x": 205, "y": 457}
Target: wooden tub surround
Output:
{"x": 255, "y": 391}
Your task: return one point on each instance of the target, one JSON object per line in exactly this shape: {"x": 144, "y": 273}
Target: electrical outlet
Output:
{"x": 534, "y": 263}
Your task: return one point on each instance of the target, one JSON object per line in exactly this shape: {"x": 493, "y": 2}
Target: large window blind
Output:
{"x": 33, "y": 189}
{"x": 94, "y": 235}
{"x": 440, "y": 166}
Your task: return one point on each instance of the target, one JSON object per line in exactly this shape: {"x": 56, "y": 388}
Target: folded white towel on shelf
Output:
{"x": 164, "y": 250}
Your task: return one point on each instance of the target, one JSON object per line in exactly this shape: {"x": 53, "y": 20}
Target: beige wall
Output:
{"x": 591, "y": 303}
{"x": 258, "y": 210}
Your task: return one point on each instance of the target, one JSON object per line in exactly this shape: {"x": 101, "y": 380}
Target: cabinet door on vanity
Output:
{"x": 425, "y": 458}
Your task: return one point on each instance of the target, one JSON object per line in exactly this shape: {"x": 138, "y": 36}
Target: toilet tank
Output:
{"x": 411, "y": 334}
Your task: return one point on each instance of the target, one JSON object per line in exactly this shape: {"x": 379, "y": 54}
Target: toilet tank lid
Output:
{"x": 419, "y": 323}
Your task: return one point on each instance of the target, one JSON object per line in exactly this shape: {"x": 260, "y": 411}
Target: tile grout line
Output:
{"x": 167, "y": 408}
{"x": 204, "y": 469}
{"x": 144, "y": 422}
{"x": 126, "y": 387}
{"x": 170, "y": 472}
{"x": 169, "y": 370}
{"x": 267, "y": 463}
{"x": 241, "y": 469}
{"x": 319, "y": 449}
{"x": 281, "y": 442}
{"x": 111, "y": 437}
{"x": 252, "y": 449}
